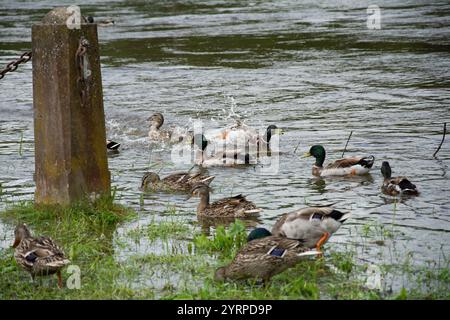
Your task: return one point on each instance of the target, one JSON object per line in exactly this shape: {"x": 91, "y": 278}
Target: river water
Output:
{"x": 312, "y": 68}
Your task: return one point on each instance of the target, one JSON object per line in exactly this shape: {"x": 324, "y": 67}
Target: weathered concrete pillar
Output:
{"x": 69, "y": 122}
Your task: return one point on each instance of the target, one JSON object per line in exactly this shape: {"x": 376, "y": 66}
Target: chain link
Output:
{"x": 12, "y": 66}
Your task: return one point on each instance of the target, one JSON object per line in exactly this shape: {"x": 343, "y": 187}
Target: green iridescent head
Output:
{"x": 258, "y": 233}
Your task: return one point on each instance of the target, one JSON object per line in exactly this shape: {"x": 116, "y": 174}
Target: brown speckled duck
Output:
{"x": 237, "y": 206}
{"x": 183, "y": 181}
{"x": 39, "y": 256}
{"x": 263, "y": 257}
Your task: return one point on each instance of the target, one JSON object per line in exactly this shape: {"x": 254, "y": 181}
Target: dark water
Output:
{"x": 312, "y": 68}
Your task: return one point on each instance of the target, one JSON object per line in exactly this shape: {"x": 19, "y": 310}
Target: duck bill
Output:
{"x": 188, "y": 197}
{"x": 306, "y": 155}
{"x": 16, "y": 243}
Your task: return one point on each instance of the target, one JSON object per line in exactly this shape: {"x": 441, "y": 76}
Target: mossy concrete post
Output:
{"x": 69, "y": 124}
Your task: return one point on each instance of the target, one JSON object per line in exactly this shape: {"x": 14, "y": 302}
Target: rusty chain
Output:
{"x": 12, "y": 66}
{"x": 80, "y": 56}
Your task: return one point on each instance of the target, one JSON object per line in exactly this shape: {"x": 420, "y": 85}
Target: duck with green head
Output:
{"x": 395, "y": 186}
{"x": 264, "y": 256}
{"x": 343, "y": 167}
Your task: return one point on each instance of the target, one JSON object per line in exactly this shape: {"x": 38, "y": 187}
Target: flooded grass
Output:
{"x": 184, "y": 269}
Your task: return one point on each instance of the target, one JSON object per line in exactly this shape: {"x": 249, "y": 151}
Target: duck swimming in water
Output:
{"x": 342, "y": 167}
{"x": 394, "y": 186}
{"x": 183, "y": 181}
{"x": 231, "y": 207}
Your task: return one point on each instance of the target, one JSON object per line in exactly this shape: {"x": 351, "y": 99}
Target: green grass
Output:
{"x": 169, "y": 258}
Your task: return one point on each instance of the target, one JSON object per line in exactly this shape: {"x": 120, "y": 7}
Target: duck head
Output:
{"x": 199, "y": 190}
{"x": 318, "y": 152}
{"x": 271, "y": 130}
{"x": 258, "y": 233}
{"x": 149, "y": 178}
{"x": 220, "y": 274}
{"x": 386, "y": 170}
{"x": 156, "y": 120}
{"x": 21, "y": 232}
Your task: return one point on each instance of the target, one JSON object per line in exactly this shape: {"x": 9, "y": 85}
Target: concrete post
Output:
{"x": 69, "y": 122}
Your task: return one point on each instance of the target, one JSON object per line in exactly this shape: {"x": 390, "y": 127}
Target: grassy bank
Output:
{"x": 169, "y": 258}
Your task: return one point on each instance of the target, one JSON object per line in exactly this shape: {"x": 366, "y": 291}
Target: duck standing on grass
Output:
{"x": 394, "y": 186}
{"x": 231, "y": 207}
{"x": 313, "y": 226}
{"x": 39, "y": 256}
{"x": 263, "y": 257}
{"x": 183, "y": 181}
{"x": 342, "y": 167}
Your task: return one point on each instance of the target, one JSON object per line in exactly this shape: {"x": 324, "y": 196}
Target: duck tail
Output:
{"x": 112, "y": 145}
{"x": 407, "y": 187}
{"x": 339, "y": 216}
{"x": 367, "y": 162}
{"x": 208, "y": 180}
{"x": 253, "y": 211}
{"x": 312, "y": 252}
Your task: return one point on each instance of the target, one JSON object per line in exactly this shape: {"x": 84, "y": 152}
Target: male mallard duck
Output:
{"x": 396, "y": 185}
{"x": 227, "y": 158}
{"x": 263, "y": 257}
{"x": 39, "y": 256}
{"x": 342, "y": 167}
{"x": 183, "y": 181}
{"x": 313, "y": 226}
{"x": 237, "y": 206}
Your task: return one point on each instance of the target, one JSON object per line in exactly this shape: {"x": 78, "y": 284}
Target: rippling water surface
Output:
{"x": 312, "y": 68}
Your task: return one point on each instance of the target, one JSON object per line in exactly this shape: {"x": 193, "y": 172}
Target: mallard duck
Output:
{"x": 396, "y": 185}
{"x": 155, "y": 133}
{"x": 183, "y": 181}
{"x": 263, "y": 257}
{"x": 243, "y": 135}
{"x": 313, "y": 226}
{"x": 342, "y": 167}
{"x": 237, "y": 206}
{"x": 39, "y": 256}
{"x": 227, "y": 158}
{"x": 101, "y": 23}
{"x": 112, "y": 145}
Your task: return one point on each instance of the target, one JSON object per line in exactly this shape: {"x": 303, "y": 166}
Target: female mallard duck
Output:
{"x": 227, "y": 158}
{"x": 396, "y": 185}
{"x": 184, "y": 181}
{"x": 313, "y": 226}
{"x": 263, "y": 257}
{"x": 342, "y": 167}
{"x": 39, "y": 256}
{"x": 173, "y": 135}
{"x": 155, "y": 133}
{"x": 237, "y": 206}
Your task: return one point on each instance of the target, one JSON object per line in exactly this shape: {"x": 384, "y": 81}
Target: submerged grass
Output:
{"x": 180, "y": 262}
